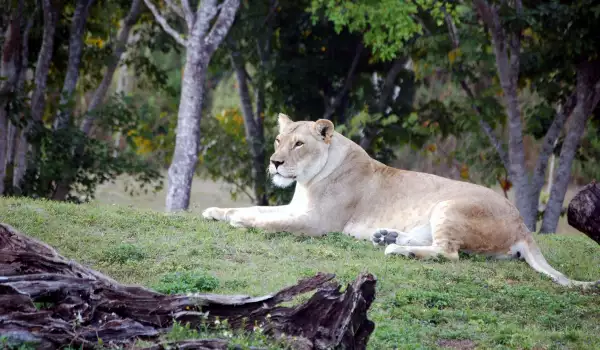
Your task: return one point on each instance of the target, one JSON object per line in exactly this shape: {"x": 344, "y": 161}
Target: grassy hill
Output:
{"x": 473, "y": 303}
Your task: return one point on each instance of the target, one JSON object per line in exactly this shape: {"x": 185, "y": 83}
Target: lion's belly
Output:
{"x": 362, "y": 225}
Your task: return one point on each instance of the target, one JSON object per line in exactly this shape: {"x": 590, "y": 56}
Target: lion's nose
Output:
{"x": 276, "y": 163}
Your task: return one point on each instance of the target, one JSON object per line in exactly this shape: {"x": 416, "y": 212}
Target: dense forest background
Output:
{"x": 499, "y": 93}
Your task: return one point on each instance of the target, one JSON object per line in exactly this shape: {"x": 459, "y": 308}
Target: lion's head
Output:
{"x": 301, "y": 150}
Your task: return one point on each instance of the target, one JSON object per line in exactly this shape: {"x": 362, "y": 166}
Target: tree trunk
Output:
{"x": 200, "y": 46}
{"x": 10, "y": 68}
{"x": 187, "y": 141}
{"x": 588, "y": 94}
{"x": 120, "y": 46}
{"x": 4, "y": 142}
{"x": 78, "y": 22}
{"x": 63, "y": 188}
{"x": 583, "y": 212}
{"x": 38, "y": 99}
{"x": 547, "y": 151}
{"x": 79, "y": 307}
{"x": 20, "y": 146}
{"x": 254, "y": 134}
{"x": 66, "y": 104}
{"x": 507, "y": 48}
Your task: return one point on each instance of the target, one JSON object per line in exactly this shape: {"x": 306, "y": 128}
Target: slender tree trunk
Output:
{"x": 547, "y": 151}
{"x": 10, "y": 68}
{"x": 21, "y": 146}
{"x": 200, "y": 46}
{"x": 120, "y": 47}
{"x": 254, "y": 135}
{"x": 79, "y": 19}
{"x": 507, "y": 48}
{"x": 66, "y": 105}
{"x": 588, "y": 94}
{"x": 124, "y": 83}
{"x": 187, "y": 141}
{"x": 38, "y": 99}
{"x": 334, "y": 104}
{"x": 4, "y": 142}
{"x": 78, "y": 22}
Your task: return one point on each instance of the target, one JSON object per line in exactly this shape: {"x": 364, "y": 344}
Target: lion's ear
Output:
{"x": 283, "y": 121}
{"x": 324, "y": 128}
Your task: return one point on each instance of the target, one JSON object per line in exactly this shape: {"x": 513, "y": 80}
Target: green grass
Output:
{"x": 473, "y": 302}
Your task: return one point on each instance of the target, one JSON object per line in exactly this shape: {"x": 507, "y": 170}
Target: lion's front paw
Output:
{"x": 383, "y": 237}
{"x": 214, "y": 213}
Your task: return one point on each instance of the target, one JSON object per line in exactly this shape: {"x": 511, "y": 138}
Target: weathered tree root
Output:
{"x": 583, "y": 212}
{"x": 78, "y": 306}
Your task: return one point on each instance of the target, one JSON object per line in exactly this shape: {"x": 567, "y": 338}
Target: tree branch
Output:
{"x": 173, "y": 6}
{"x": 120, "y": 46}
{"x": 347, "y": 84}
{"x": 190, "y": 16}
{"x": 164, "y": 24}
{"x": 78, "y": 23}
{"x": 207, "y": 10}
{"x": 539, "y": 174}
{"x": 485, "y": 126}
{"x": 388, "y": 84}
{"x": 221, "y": 27}
{"x": 386, "y": 90}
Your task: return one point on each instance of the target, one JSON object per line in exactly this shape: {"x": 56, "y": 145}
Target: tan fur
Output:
{"x": 340, "y": 188}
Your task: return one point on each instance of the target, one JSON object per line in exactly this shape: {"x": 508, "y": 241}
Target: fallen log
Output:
{"x": 52, "y": 302}
{"x": 583, "y": 212}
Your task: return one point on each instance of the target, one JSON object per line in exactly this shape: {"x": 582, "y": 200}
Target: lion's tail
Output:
{"x": 532, "y": 254}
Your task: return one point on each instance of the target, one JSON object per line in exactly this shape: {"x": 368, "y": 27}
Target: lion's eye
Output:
{"x": 298, "y": 144}
{"x": 277, "y": 141}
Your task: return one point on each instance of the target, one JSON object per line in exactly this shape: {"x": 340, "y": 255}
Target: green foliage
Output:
{"x": 386, "y": 26}
{"x": 70, "y": 154}
{"x": 187, "y": 282}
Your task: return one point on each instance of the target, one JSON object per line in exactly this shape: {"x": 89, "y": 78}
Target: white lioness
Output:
{"x": 340, "y": 188}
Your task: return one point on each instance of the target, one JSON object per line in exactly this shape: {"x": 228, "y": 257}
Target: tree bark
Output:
{"x": 332, "y": 106}
{"x": 254, "y": 133}
{"x": 200, "y": 46}
{"x": 38, "y": 99}
{"x": 187, "y": 141}
{"x": 588, "y": 94}
{"x": 78, "y": 22}
{"x": 583, "y": 212}
{"x": 20, "y": 146}
{"x": 64, "y": 186}
{"x": 507, "y": 48}
{"x": 65, "y": 110}
{"x": 547, "y": 151}
{"x": 82, "y": 306}
{"x": 4, "y": 142}
{"x": 10, "y": 67}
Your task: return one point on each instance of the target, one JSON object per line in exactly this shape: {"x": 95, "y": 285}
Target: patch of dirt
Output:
{"x": 461, "y": 344}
